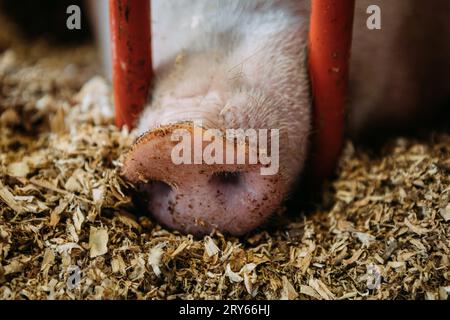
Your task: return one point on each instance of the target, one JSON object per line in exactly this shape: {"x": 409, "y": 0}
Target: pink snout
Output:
{"x": 199, "y": 198}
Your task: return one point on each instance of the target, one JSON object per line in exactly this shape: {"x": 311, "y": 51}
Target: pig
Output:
{"x": 243, "y": 65}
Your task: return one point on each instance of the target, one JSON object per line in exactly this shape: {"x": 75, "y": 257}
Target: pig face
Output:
{"x": 222, "y": 67}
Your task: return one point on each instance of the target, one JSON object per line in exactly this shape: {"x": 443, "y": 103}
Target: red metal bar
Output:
{"x": 329, "y": 52}
{"x": 131, "y": 57}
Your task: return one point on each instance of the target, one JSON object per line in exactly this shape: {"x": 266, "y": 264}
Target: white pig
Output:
{"x": 243, "y": 64}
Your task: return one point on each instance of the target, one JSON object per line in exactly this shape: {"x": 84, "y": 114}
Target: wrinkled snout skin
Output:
{"x": 243, "y": 65}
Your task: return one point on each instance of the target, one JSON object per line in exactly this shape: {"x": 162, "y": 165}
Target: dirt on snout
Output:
{"x": 67, "y": 228}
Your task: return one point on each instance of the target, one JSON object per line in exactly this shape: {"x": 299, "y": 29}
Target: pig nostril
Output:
{"x": 226, "y": 178}
{"x": 156, "y": 188}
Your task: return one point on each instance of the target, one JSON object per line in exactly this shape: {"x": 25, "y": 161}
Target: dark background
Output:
{"x": 38, "y": 18}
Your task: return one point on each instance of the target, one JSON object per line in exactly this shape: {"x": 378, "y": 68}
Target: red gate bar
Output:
{"x": 131, "y": 57}
{"x": 329, "y": 52}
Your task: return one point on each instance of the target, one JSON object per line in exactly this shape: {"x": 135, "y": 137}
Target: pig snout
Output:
{"x": 199, "y": 197}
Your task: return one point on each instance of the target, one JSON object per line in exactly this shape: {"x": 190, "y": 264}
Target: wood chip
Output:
{"x": 288, "y": 292}
{"x": 98, "y": 242}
